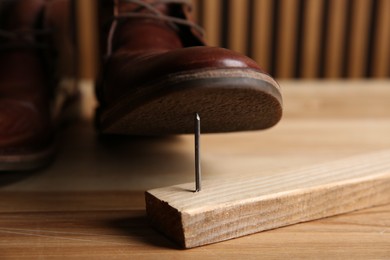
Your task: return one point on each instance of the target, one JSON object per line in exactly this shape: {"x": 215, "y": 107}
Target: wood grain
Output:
{"x": 87, "y": 38}
{"x": 238, "y": 31}
{"x": 381, "y": 64}
{"x": 262, "y": 33}
{"x": 359, "y": 40}
{"x": 287, "y": 33}
{"x": 212, "y": 22}
{"x": 231, "y": 208}
{"x": 335, "y": 38}
{"x": 311, "y": 42}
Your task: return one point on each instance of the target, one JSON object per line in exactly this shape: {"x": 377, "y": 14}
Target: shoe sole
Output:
{"x": 227, "y": 100}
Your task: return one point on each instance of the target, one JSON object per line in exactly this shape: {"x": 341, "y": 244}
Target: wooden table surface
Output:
{"x": 89, "y": 203}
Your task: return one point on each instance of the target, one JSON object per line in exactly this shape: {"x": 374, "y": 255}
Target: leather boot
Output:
{"x": 29, "y": 107}
{"x": 157, "y": 72}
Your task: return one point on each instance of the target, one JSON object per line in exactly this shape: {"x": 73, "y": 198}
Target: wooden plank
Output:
{"x": 286, "y": 45}
{"x": 212, "y": 22}
{"x": 230, "y": 208}
{"x": 335, "y": 38}
{"x": 359, "y": 38}
{"x": 262, "y": 30}
{"x": 238, "y": 31}
{"x": 87, "y": 37}
{"x": 311, "y": 42}
{"x": 381, "y": 64}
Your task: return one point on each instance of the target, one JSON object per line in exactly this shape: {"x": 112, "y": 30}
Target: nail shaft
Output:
{"x": 198, "y": 174}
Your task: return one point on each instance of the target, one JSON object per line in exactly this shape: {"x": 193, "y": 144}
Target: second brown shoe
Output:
{"x": 157, "y": 73}
{"x": 31, "y": 101}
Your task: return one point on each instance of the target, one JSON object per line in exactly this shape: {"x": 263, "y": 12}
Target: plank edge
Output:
{"x": 165, "y": 218}
{"x": 207, "y": 227}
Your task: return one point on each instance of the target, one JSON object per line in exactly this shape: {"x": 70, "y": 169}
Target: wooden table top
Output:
{"x": 90, "y": 201}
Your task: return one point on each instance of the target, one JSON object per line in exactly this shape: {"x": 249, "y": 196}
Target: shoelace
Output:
{"x": 22, "y": 36}
{"x": 155, "y": 14}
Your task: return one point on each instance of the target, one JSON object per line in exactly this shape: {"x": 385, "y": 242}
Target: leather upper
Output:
{"x": 144, "y": 50}
{"x": 128, "y": 70}
{"x": 24, "y": 94}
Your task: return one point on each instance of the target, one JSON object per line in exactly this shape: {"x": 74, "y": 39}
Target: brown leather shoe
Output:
{"x": 27, "y": 87}
{"x": 157, "y": 73}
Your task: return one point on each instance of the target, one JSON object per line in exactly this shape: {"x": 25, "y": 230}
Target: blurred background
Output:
{"x": 288, "y": 38}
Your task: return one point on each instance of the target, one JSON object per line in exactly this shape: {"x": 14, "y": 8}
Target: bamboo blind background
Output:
{"x": 292, "y": 38}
